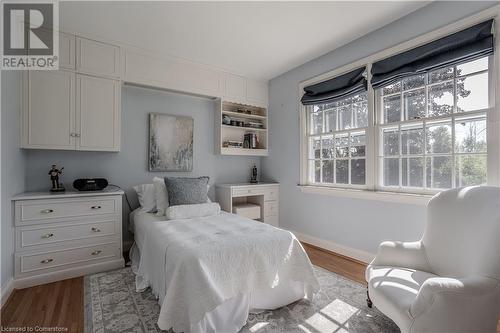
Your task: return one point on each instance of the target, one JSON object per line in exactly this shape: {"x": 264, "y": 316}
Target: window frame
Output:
{"x": 373, "y": 173}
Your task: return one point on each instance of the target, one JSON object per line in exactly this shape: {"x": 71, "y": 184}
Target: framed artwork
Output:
{"x": 170, "y": 142}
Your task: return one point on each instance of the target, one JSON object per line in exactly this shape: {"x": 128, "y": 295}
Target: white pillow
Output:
{"x": 161, "y": 196}
{"x": 192, "y": 211}
{"x": 146, "y": 196}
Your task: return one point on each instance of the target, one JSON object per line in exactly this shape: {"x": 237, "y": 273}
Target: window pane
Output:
{"x": 327, "y": 147}
{"x": 441, "y": 75}
{"x": 330, "y": 120}
{"x": 359, "y": 98}
{"x": 361, "y": 114}
{"x": 439, "y": 138}
{"x": 441, "y": 99}
{"x": 473, "y": 66}
{"x": 342, "y": 171}
{"x": 413, "y": 171}
{"x": 391, "y": 141}
{"x": 392, "y": 109}
{"x": 358, "y": 144}
{"x": 316, "y": 125}
{"x": 439, "y": 172}
{"x": 414, "y": 82}
{"x": 391, "y": 172}
{"x": 342, "y": 145}
{"x": 472, "y": 93}
{"x": 391, "y": 89}
{"x": 358, "y": 171}
{"x": 470, "y": 170}
{"x": 412, "y": 140}
{"x": 314, "y": 147}
{"x": 327, "y": 171}
{"x": 470, "y": 135}
{"x": 414, "y": 104}
{"x": 315, "y": 171}
{"x": 345, "y": 117}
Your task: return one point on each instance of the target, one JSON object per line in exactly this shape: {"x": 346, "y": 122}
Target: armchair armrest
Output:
{"x": 402, "y": 254}
{"x": 470, "y": 287}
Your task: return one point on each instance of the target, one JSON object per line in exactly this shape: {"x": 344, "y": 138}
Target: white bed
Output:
{"x": 210, "y": 272}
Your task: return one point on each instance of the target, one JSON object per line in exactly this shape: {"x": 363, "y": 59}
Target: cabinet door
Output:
{"x": 48, "y": 110}
{"x": 66, "y": 51}
{"x": 97, "y": 114}
{"x": 257, "y": 93}
{"x": 97, "y": 58}
{"x": 236, "y": 88}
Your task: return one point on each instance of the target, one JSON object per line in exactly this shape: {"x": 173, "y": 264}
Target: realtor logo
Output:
{"x": 30, "y": 38}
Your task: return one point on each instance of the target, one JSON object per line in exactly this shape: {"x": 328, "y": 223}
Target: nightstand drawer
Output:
{"x": 32, "y": 210}
{"x": 53, "y": 234}
{"x": 58, "y": 259}
{"x": 271, "y": 209}
{"x": 241, "y": 192}
{"x": 271, "y": 194}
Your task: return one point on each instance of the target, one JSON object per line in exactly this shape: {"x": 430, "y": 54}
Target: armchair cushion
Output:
{"x": 402, "y": 254}
{"x": 394, "y": 289}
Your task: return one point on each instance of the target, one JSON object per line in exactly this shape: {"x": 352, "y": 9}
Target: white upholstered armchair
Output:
{"x": 449, "y": 281}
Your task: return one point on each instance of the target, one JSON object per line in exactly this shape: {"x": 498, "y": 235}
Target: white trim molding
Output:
{"x": 359, "y": 255}
{"x": 7, "y": 289}
{"x": 398, "y": 197}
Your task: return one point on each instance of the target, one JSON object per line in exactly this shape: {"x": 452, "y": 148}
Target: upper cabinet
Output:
{"x": 236, "y": 87}
{"x": 257, "y": 93}
{"x": 78, "y": 106}
{"x": 97, "y": 58}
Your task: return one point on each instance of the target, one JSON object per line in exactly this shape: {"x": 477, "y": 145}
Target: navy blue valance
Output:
{"x": 335, "y": 89}
{"x": 466, "y": 45}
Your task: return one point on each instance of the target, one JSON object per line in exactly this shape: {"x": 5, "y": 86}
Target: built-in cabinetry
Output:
{"x": 233, "y": 121}
{"x": 263, "y": 195}
{"x": 78, "y": 106}
{"x": 59, "y": 236}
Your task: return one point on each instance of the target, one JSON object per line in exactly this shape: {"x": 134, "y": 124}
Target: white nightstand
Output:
{"x": 266, "y": 195}
{"x": 60, "y": 236}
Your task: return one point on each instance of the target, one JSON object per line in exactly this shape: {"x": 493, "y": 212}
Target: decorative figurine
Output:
{"x": 253, "y": 176}
{"x": 54, "y": 178}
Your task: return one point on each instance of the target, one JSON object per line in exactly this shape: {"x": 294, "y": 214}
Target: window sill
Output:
{"x": 407, "y": 198}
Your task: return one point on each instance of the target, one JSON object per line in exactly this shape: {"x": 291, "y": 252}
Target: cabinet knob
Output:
{"x": 48, "y": 235}
{"x": 96, "y": 253}
{"x": 46, "y": 261}
{"x": 77, "y": 135}
{"x": 47, "y": 211}
{"x": 94, "y": 229}
{"x": 95, "y": 207}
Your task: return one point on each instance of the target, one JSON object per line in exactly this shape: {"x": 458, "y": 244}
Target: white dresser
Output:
{"x": 265, "y": 195}
{"x": 59, "y": 236}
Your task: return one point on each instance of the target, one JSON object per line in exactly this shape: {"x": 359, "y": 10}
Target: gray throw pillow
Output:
{"x": 186, "y": 191}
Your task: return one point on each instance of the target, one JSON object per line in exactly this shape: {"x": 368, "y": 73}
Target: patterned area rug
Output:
{"x": 112, "y": 305}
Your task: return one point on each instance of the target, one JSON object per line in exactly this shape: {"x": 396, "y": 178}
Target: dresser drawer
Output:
{"x": 271, "y": 209}
{"x": 50, "y": 209}
{"x": 53, "y": 234}
{"x": 33, "y": 262}
{"x": 271, "y": 194}
{"x": 243, "y": 192}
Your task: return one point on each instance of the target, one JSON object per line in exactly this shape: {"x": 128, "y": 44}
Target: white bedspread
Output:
{"x": 195, "y": 265}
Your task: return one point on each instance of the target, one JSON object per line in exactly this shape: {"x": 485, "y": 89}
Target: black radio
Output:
{"x": 91, "y": 184}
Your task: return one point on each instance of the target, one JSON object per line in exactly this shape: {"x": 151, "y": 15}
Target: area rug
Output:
{"x": 112, "y": 305}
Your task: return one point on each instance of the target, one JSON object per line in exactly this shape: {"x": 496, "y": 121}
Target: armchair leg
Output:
{"x": 368, "y": 300}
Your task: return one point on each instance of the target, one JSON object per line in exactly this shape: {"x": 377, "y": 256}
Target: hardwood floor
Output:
{"x": 60, "y": 304}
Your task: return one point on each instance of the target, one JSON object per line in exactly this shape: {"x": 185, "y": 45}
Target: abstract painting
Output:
{"x": 170, "y": 142}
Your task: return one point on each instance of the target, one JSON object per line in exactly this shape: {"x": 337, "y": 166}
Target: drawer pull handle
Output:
{"x": 94, "y": 229}
{"x": 96, "y": 207}
{"x": 96, "y": 253}
{"x": 46, "y": 261}
{"x": 48, "y": 235}
{"x": 47, "y": 211}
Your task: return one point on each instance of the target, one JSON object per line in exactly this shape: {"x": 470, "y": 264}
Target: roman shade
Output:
{"x": 335, "y": 89}
{"x": 466, "y": 45}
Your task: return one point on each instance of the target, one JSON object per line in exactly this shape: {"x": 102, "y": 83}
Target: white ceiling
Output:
{"x": 256, "y": 39}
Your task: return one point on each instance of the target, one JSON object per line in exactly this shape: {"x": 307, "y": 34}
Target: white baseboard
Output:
{"x": 35, "y": 280}
{"x": 7, "y": 289}
{"x": 360, "y": 255}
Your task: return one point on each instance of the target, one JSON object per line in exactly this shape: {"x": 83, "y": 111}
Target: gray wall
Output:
{"x": 358, "y": 224}
{"x": 13, "y": 161}
{"x": 129, "y": 167}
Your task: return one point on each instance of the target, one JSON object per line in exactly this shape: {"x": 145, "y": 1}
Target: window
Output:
{"x": 337, "y": 142}
{"x": 432, "y": 128}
